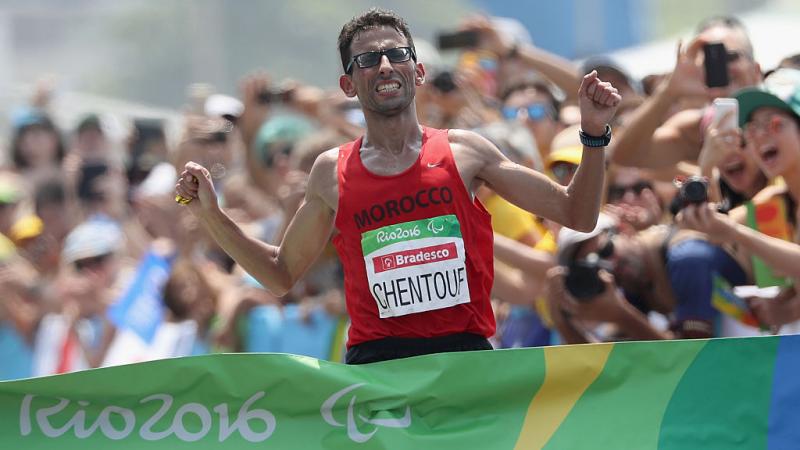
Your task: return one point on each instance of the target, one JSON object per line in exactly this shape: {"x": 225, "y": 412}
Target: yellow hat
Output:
{"x": 571, "y": 155}
{"x": 26, "y": 228}
{"x": 566, "y": 147}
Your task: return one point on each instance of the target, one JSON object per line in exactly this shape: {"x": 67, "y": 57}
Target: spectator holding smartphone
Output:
{"x": 652, "y": 139}
{"x": 770, "y": 116}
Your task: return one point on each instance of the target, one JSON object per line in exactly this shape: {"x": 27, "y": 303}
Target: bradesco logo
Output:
{"x": 190, "y": 422}
{"x": 414, "y": 257}
{"x": 351, "y": 424}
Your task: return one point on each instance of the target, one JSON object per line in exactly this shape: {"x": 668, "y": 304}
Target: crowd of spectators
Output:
{"x": 100, "y": 266}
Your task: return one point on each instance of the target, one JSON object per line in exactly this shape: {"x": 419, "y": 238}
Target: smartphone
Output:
{"x": 716, "y": 65}
{"x": 723, "y": 106}
{"x": 459, "y": 39}
{"x": 87, "y": 180}
{"x": 270, "y": 96}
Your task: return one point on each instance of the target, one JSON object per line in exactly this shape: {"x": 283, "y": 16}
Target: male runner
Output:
{"x": 415, "y": 244}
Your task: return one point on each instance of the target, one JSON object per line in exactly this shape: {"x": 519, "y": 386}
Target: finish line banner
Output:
{"x": 712, "y": 394}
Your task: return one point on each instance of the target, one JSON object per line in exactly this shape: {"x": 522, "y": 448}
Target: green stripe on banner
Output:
{"x": 723, "y": 401}
{"x": 624, "y": 406}
{"x": 453, "y": 401}
{"x": 709, "y": 394}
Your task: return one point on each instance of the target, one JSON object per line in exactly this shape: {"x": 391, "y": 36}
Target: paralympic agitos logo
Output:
{"x": 352, "y": 419}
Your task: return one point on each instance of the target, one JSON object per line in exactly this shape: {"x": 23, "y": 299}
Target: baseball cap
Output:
{"x": 567, "y": 147}
{"x": 605, "y": 66}
{"x": 569, "y": 240}
{"x": 89, "y": 122}
{"x": 94, "y": 237}
{"x": 28, "y": 116}
{"x": 26, "y": 228}
{"x": 218, "y": 105}
{"x": 284, "y": 129}
{"x": 780, "y": 90}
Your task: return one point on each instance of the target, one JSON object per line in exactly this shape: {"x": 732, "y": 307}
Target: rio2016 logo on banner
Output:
{"x": 127, "y": 421}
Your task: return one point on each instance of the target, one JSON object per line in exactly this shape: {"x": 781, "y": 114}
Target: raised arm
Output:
{"x": 651, "y": 138}
{"x": 575, "y": 206}
{"x": 276, "y": 267}
{"x": 562, "y": 72}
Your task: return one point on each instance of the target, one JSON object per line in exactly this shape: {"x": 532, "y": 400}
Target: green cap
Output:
{"x": 287, "y": 129}
{"x": 9, "y": 193}
{"x": 780, "y": 90}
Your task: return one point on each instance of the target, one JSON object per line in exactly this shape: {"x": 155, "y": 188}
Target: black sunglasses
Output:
{"x": 91, "y": 262}
{"x": 733, "y": 55}
{"x": 616, "y": 192}
{"x": 369, "y": 59}
{"x": 607, "y": 251}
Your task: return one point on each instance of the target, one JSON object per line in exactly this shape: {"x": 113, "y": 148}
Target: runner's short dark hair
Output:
{"x": 372, "y": 18}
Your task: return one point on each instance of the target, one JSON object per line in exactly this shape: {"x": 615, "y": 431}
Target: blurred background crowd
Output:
{"x": 99, "y": 265}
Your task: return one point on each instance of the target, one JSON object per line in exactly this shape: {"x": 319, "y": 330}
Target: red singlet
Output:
{"x": 416, "y": 249}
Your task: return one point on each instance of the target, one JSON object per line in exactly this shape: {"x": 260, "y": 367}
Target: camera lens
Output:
{"x": 583, "y": 280}
{"x": 694, "y": 191}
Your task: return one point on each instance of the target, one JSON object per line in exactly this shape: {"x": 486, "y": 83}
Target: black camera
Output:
{"x": 444, "y": 82}
{"x": 692, "y": 191}
{"x": 458, "y": 40}
{"x": 582, "y": 280}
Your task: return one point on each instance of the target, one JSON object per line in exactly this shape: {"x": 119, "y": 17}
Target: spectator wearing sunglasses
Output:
{"x": 632, "y": 198}
{"x": 532, "y": 101}
{"x": 378, "y": 195}
{"x": 563, "y": 161}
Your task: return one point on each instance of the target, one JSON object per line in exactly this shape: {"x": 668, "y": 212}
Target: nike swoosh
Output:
{"x": 433, "y": 165}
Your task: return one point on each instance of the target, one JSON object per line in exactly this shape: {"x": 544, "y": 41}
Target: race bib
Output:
{"x": 416, "y": 266}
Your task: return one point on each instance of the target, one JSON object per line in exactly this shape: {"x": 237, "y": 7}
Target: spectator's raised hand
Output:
{"x": 688, "y": 79}
{"x": 491, "y": 38}
{"x": 255, "y": 109}
{"x": 306, "y": 99}
{"x": 598, "y": 103}
{"x": 719, "y": 142}
{"x": 631, "y": 218}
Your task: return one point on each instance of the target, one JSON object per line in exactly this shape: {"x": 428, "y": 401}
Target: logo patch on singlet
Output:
{"x": 416, "y": 266}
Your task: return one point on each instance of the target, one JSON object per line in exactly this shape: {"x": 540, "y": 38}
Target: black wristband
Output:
{"x": 596, "y": 141}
